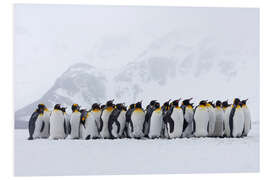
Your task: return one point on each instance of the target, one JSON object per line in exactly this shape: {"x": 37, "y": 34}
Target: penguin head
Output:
{"x": 75, "y": 107}
{"x": 157, "y": 105}
{"x": 218, "y": 103}
{"x": 95, "y": 106}
{"x": 225, "y": 104}
{"x": 236, "y": 101}
{"x": 203, "y": 103}
{"x": 63, "y": 109}
{"x": 138, "y": 104}
{"x": 153, "y": 102}
{"x": 175, "y": 103}
{"x": 131, "y": 106}
{"x": 57, "y": 107}
{"x": 211, "y": 103}
{"x": 119, "y": 106}
{"x": 186, "y": 102}
{"x": 102, "y": 106}
{"x": 110, "y": 103}
{"x": 167, "y": 103}
{"x": 244, "y": 102}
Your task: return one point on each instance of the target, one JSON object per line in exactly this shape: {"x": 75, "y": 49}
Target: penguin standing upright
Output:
{"x": 149, "y": 110}
{"x": 174, "y": 120}
{"x": 219, "y": 127}
{"x": 236, "y": 119}
{"x": 45, "y": 129}
{"x": 57, "y": 123}
{"x": 212, "y": 118}
{"x": 188, "y": 118}
{"x": 165, "y": 107}
{"x": 35, "y": 122}
{"x": 247, "y": 117}
{"x": 117, "y": 121}
{"x": 227, "y": 110}
{"x": 137, "y": 120}
{"x": 66, "y": 120}
{"x": 156, "y": 122}
{"x": 92, "y": 122}
{"x": 75, "y": 121}
{"x": 201, "y": 120}
{"x": 129, "y": 126}
{"x": 105, "y": 114}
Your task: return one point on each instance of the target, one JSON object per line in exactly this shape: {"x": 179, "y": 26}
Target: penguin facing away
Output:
{"x": 174, "y": 120}
{"x": 247, "y": 117}
{"x": 220, "y": 115}
{"x": 227, "y": 110}
{"x": 35, "y": 122}
{"x": 201, "y": 120}
{"x": 105, "y": 114}
{"x": 165, "y": 107}
{"x": 149, "y": 110}
{"x": 57, "y": 123}
{"x": 236, "y": 119}
{"x": 92, "y": 122}
{"x": 129, "y": 125}
{"x": 137, "y": 120}
{"x": 117, "y": 121}
{"x": 188, "y": 118}
{"x": 75, "y": 122}
{"x": 156, "y": 122}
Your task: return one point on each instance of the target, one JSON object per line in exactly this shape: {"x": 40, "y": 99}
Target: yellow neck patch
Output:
{"x": 158, "y": 109}
{"x": 177, "y": 107}
{"x": 202, "y": 106}
{"x": 96, "y": 110}
{"x": 138, "y": 110}
{"x": 109, "y": 109}
{"x": 189, "y": 106}
{"x": 218, "y": 107}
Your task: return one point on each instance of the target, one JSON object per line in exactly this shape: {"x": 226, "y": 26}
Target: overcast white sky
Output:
{"x": 50, "y": 38}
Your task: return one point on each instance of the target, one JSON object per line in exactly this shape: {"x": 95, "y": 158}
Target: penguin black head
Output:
{"x": 157, "y": 105}
{"x": 211, "y": 103}
{"x": 186, "y": 102}
{"x": 82, "y": 110}
{"x": 63, "y": 109}
{"x": 110, "y": 103}
{"x": 236, "y": 101}
{"x": 218, "y": 103}
{"x": 131, "y": 106}
{"x": 102, "y": 106}
{"x": 203, "y": 102}
{"x": 153, "y": 102}
{"x": 138, "y": 104}
{"x": 124, "y": 108}
{"x": 95, "y": 106}
{"x": 57, "y": 106}
{"x": 75, "y": 107}
{"x": 41, "y": 106}
{"x": 225, "y": 104}
{"x": 167, "y": 103}
{"x": 244, "y": 102}
{"x": 119, "y": 106}
{"x": 176, "y": 102}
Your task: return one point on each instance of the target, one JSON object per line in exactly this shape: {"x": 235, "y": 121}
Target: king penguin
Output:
{"x": 247, "y": 118}
{"x": 105, "y": 114}
{"x": 165, "y": 107}
{"x": 236, "y": 119}
{"x": 201, "y": 120}
{"x": 75, "y": 121}
{"x": 174, "y": 120}
{"x": 129, "y": 125}
{"x": 57, "y": 123}
{"x": 212, "y": 118}
{"x": 117, "y": 121}
{"x": 156, "y": 122}
{"x": 35, "y": 122}
{"x": 219, "y": 127}
{"x": 45, "y": 129}
{"x": 149, "y": 110}
{"x": 188, "y": 118}
{"x": 137, "y": 120}
{"x": 92, "y": 122}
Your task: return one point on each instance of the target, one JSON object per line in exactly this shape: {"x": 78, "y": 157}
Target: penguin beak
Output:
{"x": 190, "y": 99}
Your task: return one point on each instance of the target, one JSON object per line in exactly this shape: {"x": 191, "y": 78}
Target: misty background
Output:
{"x": 84, "y": 54}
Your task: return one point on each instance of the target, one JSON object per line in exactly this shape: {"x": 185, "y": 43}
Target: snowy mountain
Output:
{"x": 81, "y": 83}
{"x": 173, "y": 66}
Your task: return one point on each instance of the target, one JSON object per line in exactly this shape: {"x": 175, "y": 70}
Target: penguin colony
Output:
{"x": 112, "y": 121}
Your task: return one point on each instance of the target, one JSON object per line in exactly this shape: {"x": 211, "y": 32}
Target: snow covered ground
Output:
{"x": 130, "y": 156}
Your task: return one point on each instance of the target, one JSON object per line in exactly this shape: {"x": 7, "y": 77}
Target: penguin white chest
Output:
{"x": 105, "y": 118}
{"x": 156, "y": 122}
{"x": 247, "y": 118}
{"x": 57, "y": 124}
{"x": 137, "y": 118}
{"x": 75, "y": 119}
{"x": 91, "y": 125}
{"x": 201, "y": 118}
{"x": 178, "y": 119}
{"x": 238, "y": 122}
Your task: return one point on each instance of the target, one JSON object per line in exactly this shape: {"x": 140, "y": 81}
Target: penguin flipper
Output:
{"x": 208, "y": 127}
{"x": 118, "y": 126}
{"x": 42, "y": 126}
{"x": 101, "y": 125}
{"x": 65, "y": 128}
{"x": 32, "y": 124}
{"x": 231, "y": 121}
{"x": 168, "y": 120}
{"x": 131, "y": 125}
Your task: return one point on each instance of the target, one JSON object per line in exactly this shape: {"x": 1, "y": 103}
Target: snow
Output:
{"x": 130, "y": 156}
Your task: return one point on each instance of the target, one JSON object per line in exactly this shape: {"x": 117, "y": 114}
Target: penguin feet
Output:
{"x": 87, "y": 137}
{"x": 30, "y": 138}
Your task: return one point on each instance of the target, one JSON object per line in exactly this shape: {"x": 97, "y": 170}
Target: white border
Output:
{"x": 6, "y": 70}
